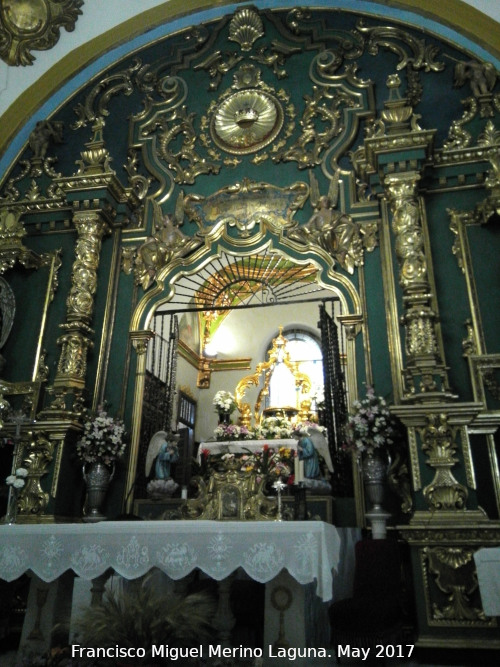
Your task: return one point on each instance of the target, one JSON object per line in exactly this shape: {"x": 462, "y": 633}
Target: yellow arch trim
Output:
{"x": 454, "y": 14}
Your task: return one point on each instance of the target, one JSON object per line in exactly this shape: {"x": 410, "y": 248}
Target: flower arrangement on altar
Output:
{"x": 224, "y": 401}
{"x": 274, "y": 428}
{"x": 303, "y": 428}
{"x": 370, "y": 425}
{"x": 273, "y": 461}
{"x": 16, "y": 481}
{"x": 229, "y": 432}
{"x": 102, "y": 440}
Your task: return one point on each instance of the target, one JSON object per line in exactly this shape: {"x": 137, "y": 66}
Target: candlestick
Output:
{"x": 279, "y": 485}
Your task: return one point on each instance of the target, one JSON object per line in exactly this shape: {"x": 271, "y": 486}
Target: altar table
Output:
{"x": 312, "y": 560}
{"x": 309, "y": 550}
{"x": 488, "y": 575}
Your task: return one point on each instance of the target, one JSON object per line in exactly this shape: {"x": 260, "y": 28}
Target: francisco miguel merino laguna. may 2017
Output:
{"x": 211, "y": 651}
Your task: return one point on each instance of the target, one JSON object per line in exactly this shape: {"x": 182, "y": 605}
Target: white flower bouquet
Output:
{"x": 102, "y": 440}
{"x": 16, "y": 481}
{"x": 161, "y": 488}
{"x": 274, "y": 428}
{"x": 304, "y": 428}
{"x": 370, "y": 425}
{"x": 224, "y": 401}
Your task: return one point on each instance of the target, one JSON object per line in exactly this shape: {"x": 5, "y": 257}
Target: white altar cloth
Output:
{"x": 488, "y": 575}
{"x": 243, "y": 446}
{"x": 309, "y": 550}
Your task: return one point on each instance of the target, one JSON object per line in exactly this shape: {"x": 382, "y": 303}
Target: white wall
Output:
{"x": 251, "y": 330}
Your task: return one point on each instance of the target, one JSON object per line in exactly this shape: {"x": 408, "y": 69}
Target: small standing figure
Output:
{"x": 45, "y": 132}
{"x": 481, "y": 76}
{"x": 162, "y": 451}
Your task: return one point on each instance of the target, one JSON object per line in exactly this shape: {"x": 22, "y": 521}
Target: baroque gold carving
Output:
{"x": 247, "y": 121}
{"x": 34, "y": 24}
{"x": 12, "y": 250}
{"x": 481, "y": 77}
{"x": 245, "y": 205}
{"x": 483, "y": 369}
{"x": 38, "y": 455}
{"x": 166, "y": 244}
{"x": 245, "y": 28}
{"x": 425, "y": 373}
{"x": 308, "y": 149}
{"x": 184, "y": 160}
{"x": 332, "y": 230}
{"x": 454, "y": 574}
{"x": 73, "y": 359}
{"x": 410, "y": 50}
{"x": 444, "y": 493}
{"x": 248, "y": 116}
{"x": 230, "y": 494}
{"x": 91, "y": 228}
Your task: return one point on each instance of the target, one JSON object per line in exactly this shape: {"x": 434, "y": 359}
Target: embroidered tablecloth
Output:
{"x": 309, "y": 550}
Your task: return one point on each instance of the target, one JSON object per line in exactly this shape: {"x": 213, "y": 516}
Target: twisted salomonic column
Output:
{"x": 77, "y": 337}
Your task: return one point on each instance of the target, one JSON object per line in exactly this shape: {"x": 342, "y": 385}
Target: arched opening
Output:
{"x": 213, "y": 327}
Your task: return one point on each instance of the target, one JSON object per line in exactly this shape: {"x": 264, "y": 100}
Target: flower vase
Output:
{"x": 224, "y": 417}
{"x": 11, "y": 513}
{"x": 374, "y": 478}
{"x": 97, "y": 477}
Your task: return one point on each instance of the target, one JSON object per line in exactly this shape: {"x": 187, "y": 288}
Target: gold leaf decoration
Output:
{"x": 33, "y": 24}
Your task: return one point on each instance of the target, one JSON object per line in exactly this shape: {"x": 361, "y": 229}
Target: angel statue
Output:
{"x": 311, "y": 444}
{"x": 332, "y": 230}
{"x": 162, "y": 452}
{"x": 167, "y": 242}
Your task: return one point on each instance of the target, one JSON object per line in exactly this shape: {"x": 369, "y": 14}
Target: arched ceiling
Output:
{"x": 32, "y": 93}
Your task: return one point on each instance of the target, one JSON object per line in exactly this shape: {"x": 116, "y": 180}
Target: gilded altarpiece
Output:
{"x": 363, "y": 152}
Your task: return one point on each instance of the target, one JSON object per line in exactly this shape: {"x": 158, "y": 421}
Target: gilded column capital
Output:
{"x": 140, "y": 340}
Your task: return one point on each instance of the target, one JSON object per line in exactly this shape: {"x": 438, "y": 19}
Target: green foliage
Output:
{"x": 140, "y": 616}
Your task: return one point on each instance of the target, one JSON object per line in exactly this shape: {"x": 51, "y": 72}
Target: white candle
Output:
{"x": 184, "y": 493}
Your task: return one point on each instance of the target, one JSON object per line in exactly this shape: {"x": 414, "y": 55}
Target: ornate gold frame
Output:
{"x": 34, "y": 25}
{"x": 278, "y": 353}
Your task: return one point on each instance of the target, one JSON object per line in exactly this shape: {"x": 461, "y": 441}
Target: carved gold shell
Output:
{"x": 246, "y": 26}
{"x": 246, "y": 121}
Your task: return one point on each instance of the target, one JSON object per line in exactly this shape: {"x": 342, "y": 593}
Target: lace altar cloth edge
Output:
{"x": 309, "y": 550}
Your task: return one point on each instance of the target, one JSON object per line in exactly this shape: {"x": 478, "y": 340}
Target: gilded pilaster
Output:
{"x": 140, "y": 341}
{"x": 449, "y": 606}
{"x": 424, "y": 373}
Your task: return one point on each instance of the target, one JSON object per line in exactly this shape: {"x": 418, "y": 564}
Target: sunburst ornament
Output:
{"x": 247, "y": 121}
